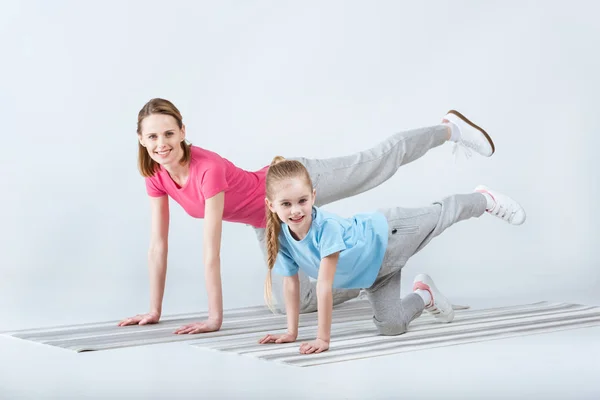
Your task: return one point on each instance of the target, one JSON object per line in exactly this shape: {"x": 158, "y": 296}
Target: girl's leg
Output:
{"x": 411, "y": 229}
{"x": 308, "y": 288}
{"x": 391, "y": 314}
{"x": 341, "y": 177}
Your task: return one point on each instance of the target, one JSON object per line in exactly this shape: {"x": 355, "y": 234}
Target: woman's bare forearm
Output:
{"x": 214, "y": 290}
{"x": 213, "y": 224}
{"x": 157, "y": 266}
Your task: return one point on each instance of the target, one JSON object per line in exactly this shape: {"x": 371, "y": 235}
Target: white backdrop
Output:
{"x": 316, "y": 79}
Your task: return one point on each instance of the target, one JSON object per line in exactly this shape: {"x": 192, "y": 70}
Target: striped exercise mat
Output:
{"x": 353, "y": 335}
{"x": 107, "y": 335}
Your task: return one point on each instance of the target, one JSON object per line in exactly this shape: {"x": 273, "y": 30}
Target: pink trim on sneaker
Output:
{"x": 423, "y": 286}
{"x": 491, "y": 195}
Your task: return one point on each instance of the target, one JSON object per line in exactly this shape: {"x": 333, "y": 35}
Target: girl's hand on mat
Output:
{"x": 315, "y": 346}
{"x": 209, "y": 325}
{"x": 141, "y": 319}
{"x": 283, "y": 338}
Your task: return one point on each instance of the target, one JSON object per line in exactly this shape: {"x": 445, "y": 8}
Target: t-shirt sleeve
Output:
{"x": 214, "y": 178}
{"x": 332, "y": 238}
{"x": 154, "y": 188}
{"x": 284, "y": 264}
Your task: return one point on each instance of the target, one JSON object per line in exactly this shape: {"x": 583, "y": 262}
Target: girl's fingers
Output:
{"x": 267, "y": 339}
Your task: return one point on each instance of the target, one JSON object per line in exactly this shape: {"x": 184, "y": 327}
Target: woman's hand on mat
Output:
{"x": 314, "y": 346}
{"x": 210, "y": 325}
{"x": 141, "y": 319}
{"x": 282, "y": 338}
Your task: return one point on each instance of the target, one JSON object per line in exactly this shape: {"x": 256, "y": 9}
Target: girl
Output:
{"x": 209, "y": 186}
{"x": 365, "y": 251}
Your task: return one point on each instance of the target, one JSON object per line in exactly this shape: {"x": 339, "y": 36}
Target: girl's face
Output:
{"x": 293, "y": 202}
{"x": 162, "y": 138}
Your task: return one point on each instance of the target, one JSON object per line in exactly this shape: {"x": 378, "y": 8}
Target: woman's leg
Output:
{"x": 308, "y": 288}
{"x": 341, "y": 177}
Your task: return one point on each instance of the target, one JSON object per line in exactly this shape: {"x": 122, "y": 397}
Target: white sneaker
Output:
{"x": 439, "y": 306}
{"x": 472, "y": 137}
{"x": 504, "y": 207}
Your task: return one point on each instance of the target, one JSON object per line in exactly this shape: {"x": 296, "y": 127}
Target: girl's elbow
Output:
{"x": 324, "y": 288}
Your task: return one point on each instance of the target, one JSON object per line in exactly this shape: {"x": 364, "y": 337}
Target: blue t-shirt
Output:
{"x": 361, "y": 240}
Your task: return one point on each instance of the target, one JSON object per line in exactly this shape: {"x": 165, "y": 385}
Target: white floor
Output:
{"x": 559, "y": 365}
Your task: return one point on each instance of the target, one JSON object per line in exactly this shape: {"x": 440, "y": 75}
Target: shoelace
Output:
{"x": 505, "y": 213}
{"x": 462, "y": 146}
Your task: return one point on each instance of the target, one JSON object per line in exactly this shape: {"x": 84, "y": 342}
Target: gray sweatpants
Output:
{"x": 411, "y": 229}
{"x": 342, "y": 177}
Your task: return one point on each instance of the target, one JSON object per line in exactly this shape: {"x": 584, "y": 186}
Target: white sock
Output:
{"x": 455, "y": 131}
{"x": 490, "y": 201}
{"x": 425, "y": 295}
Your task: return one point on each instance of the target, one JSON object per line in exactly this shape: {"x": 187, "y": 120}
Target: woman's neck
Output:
{"x": 179, "y": 173}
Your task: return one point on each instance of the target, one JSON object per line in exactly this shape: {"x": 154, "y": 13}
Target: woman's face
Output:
{"x": 162, "y": 138}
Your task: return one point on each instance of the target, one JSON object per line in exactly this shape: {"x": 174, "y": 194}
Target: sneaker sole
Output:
{"x": 489, "y": 139}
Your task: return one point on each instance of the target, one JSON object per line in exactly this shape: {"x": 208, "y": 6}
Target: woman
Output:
{"x": 209, "y": 186}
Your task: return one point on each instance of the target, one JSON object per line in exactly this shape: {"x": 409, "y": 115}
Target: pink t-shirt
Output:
{"x": 211, "y": 174}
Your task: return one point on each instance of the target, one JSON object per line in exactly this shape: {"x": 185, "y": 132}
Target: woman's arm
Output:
{"x": 213, "y": 223}
{"x": 157, "y": 253}
{"x": 157, "y": 261}
{"x": 324, "y": 305}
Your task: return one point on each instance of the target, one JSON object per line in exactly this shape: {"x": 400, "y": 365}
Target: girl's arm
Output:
{"x": 291, "y": 287}
{"x": 324, "y": 305}
{"x": 291, "y": 290}
{"x": 157, "y": 261}
{"x": 213, "y": 223}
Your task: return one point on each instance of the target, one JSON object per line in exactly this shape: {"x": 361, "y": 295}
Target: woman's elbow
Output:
{"x": 212, "y": 260}
{"x": 158, "y": 248}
